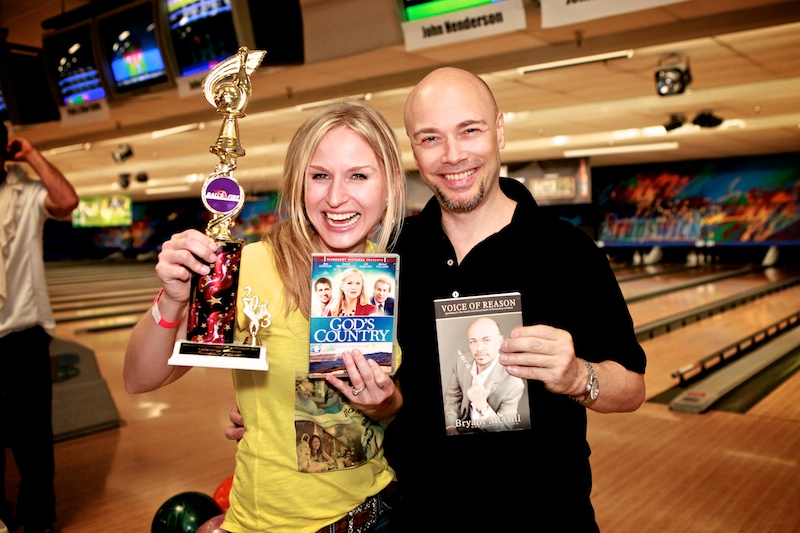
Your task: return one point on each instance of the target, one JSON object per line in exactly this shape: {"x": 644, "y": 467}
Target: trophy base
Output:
{"x": 237, "y": 356}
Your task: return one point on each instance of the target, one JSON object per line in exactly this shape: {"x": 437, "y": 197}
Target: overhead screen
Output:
{"x": 556, "y": 181}
{"x": 71, "y": 65}
{"x": 204, "y": 32}
{"x": 201, "y": 33}
{"x": 130, "y": 50}
{"x": 103, "y": 211}
{"x": 25, "y": 96}
{"x": 125, "y": 48}
{"x": 421, "y": 9}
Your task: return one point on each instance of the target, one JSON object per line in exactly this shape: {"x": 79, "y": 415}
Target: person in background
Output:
{"x": 343, "y": 181}
{"x": 482, "y": 234}
{"x": 26, "y": 328}
{"x": 324, "y": 290}
{"x": 380, "y": 297}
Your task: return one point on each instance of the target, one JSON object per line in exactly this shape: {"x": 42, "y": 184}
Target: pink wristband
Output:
{"x": 157, "y": 314}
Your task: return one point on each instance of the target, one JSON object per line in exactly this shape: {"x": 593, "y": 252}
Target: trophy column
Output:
{"x": 212, "y": 306}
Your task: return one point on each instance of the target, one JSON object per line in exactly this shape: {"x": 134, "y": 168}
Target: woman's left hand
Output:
{"x": 370, "y": 389}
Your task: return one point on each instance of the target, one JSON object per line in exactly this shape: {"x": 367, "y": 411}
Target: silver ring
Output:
{"x": 356, "y": 391}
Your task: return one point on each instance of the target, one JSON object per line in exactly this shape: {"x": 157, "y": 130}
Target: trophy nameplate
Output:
{"x": 213, "y": 301}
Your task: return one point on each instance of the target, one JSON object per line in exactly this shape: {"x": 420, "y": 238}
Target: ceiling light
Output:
{"x": 69, "y": 149}
{"x": 673, "y": 74}
{"x": 323, "y": 103}
{"x": 157, "y": 134}
{"x": 141, "y": 177}
{"x": 124, "y": 180}
{"x": 608, "y": 150}
{"x": 676, "y": 120}
{"x": 620, "y": 54}
{"x": 706, "y": 119}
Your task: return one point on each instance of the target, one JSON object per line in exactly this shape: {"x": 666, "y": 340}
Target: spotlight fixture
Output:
{"x": 676, "y": 120}
{"x": 141, "y": 177}
{"x": 673, "y": 74}
{"x": 124, "y": 180}
{"x": 123, "y": 152}
{"x": 707, "y": 119}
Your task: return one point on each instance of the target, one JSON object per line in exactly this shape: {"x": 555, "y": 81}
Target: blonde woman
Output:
{"x": 343, "y": 181}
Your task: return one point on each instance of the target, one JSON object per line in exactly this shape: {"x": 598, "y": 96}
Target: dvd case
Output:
{"x": 354, "y": 306}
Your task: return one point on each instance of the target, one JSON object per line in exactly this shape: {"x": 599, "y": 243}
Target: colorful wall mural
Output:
{"x": 752, "y": 201}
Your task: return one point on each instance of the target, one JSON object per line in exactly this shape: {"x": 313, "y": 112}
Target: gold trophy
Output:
{"x": 212, "y": 305}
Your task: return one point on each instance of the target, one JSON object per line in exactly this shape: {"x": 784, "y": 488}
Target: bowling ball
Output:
{"x": 214, "y": 525}
{"x": 222, "y": 493}
{"x": 184, "y": 513}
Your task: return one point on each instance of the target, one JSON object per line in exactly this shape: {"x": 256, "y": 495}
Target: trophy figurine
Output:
{"x": 212, "y": 306}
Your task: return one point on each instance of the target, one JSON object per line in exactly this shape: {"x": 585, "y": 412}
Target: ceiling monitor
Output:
{"x": 204, "y": 32}
{"x": 276, "y": 27}
{"x": 201, "y": 33}
{"x": 130, "y": 50}
{"x": 25, "y": 96}
{"x": 420, "y": 9}
{"x": 71, "y": 65}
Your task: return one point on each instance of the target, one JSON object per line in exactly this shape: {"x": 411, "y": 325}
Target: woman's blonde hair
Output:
{"x": 293, "y": 238}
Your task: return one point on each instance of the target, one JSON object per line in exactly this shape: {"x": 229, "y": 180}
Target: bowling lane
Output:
{"x": 684, "y": 300}
{"x": 101, "y": 290}
{"x": 684, "y": 346}
{"x": 637, "y": 288}
{"x": 625, "y": 272}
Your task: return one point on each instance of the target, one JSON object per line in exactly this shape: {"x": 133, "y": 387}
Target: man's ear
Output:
{"x": 501, "y": 135}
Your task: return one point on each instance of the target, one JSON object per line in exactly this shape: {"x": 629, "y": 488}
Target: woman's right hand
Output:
{"x": 184, "y": 253}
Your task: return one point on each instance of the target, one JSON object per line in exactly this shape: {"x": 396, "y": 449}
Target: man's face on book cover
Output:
{"x": 381, "y": 292}
{"x": 324, "y": 293}
{"x": 484, "y": 341}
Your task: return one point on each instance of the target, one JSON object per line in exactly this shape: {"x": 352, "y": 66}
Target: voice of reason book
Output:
{"x": 354, "y": 306}
{"x": 478, "y": 394}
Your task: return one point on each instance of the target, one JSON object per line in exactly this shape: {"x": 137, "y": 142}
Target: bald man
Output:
{"x": 482, "y": 234}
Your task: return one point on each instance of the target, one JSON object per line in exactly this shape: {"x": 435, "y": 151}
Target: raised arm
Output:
{"x": 150, "y": 344}
{"x": 61, "y": 196}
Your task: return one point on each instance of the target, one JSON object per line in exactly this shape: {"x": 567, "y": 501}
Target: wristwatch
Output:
{"x": 592, "y": 387}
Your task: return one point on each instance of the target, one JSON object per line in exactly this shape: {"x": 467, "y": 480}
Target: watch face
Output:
{"x": 595, "y": 390}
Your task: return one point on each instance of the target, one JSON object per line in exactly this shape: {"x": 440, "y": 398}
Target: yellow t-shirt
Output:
{"x": 278, "y": 486}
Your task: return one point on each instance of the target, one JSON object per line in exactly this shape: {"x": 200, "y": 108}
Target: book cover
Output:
{"x": 478, "y": 394}
{"x": 354, "y": 305}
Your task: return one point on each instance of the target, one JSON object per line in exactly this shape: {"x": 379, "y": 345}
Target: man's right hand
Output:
{"x": 236, "y": 430}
